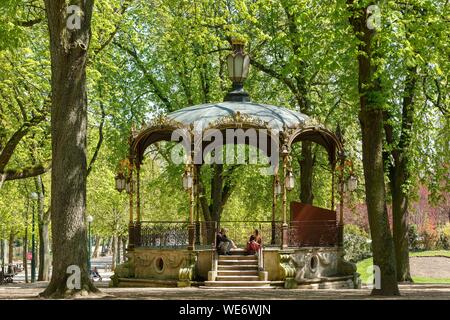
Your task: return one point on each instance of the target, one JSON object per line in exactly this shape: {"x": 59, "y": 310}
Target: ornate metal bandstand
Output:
{"x": 303, "y": 249}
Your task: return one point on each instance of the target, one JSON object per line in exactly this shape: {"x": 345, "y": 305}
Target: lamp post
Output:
{"x": 89, "y": 220}
{"x": 188, "y": 185}
{"x": 238, "y": 63}
{"x": 34, "y": 196}
{"x": 125, "y": 182}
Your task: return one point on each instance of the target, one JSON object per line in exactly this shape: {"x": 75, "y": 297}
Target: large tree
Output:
{"x": 371, "y": 121}
{"x": 69, "y": 53}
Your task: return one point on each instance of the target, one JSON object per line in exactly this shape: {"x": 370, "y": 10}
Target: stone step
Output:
{"x": 238, "y": 257}
{"x": 238, "y": 252}
{"x": 237, "y": 267}
{"x": 237, "y": 273}
{"x": 238, "y": 262}
{"x": 237, "y": 278}
{"x": 238, "y": 284}
{"x": 236, "y": 288}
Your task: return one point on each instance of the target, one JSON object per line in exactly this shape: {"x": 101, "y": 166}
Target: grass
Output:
{"x": 430, "y": 280}
{"x": 445, "y": 253}
{"x": 363, "y": 265}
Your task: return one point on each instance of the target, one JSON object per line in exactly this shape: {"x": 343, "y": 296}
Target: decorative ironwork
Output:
{"x": 173, "y": 234}
{"x": 170, "y": 234}
{"x": 164, "y": 234}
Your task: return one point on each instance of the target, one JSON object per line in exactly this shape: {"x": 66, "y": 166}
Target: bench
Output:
{"x": 6, "y": 277}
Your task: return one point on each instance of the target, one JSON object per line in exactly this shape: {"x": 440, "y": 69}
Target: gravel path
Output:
{"x": 430, "y": 267}
{"x": 410, "y": 291}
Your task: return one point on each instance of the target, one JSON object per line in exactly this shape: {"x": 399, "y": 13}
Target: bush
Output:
{"x": 430, "y": 237}
{"x": 413, "y": 237}
{"x": 356, "y": 243}
{"x": 443, "y": 241}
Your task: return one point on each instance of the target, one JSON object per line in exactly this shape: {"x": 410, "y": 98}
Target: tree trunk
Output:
{"x": 11, "y": 248}
{"x": 371, "y": 120}
{"x": 2, "y": 254}
{"x": 400, "y": 228}
{"x": 399, "y": 174}
{"x": 44, "y": 249}
{"x": 110, "y": 244}
{"x": 24, "y": 254}
{"x": 306, "y": 173}
{"x": 69, "y": 52}
{"x": 118, "y": 250}
{"x": 382, "y": 244}
{"x": 114, "y": 253}
{"x": 124, "y": 248}
{"x": 44, "y": 241}
{"x": 97, "y": 247}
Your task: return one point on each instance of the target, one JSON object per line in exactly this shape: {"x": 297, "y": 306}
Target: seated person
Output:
{"x": 95, "y": 274}
{"x": 258, "y": 238}
{"x": 252, "y": 245}
{"x": 223, "y": 243}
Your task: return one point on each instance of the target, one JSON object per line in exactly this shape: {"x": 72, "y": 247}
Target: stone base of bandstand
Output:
{"x": 302, "y": 268}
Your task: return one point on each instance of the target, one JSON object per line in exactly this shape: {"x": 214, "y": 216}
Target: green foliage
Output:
{"x": 444, "y": 237}
{"x": 356, "y": 243}
{"x": 413, "y": 237}
{"x": 152, "y": 57}
{"x": 429, "y": 237}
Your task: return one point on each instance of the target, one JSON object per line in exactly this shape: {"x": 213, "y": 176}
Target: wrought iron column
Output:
{"x": 197, "y": 204}
{"x": 191, "y": 227}
{"x": 285, "y": 227}
{"x": 341, "y": 203}
{"x": 274, "y": 206}
{"x": 131, "y": 229}
{"x": 137, "y": 226}
{"x": 333, "y": 173}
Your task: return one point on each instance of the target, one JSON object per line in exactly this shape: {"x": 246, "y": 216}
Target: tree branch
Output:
{"x": 12, "y": 143}
{"x": 100, "y": 139}
{"x": 16, "y": 174}
{"x": 153, "y": 82}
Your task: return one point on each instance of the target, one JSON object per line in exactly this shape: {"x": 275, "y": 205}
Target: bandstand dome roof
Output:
{"x": 232, "y": 114}
{"x": 205, "y": 115}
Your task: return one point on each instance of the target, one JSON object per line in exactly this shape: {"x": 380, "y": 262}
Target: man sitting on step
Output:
{"x": 224, "y": 244}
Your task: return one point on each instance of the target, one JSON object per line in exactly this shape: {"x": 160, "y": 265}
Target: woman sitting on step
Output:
{"x": 223, "y": 243}
{"x": 254, "y": 243}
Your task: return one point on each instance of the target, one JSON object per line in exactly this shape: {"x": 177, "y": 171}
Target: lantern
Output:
{"x": 352, "y": 183}
{"x": 188, "y": 180}
{"x": 289, "y": 181}
{"x": 129, "y": 185}
{"x": 277, "y": 187}
{"x": 238, "y": 63}
{"x": 89, "y": 219}
{"x": 120, "y": 182}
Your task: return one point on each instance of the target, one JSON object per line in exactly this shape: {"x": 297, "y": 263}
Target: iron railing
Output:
{"x": 175, "y": 234}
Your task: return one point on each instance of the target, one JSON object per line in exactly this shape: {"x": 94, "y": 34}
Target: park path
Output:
{"x": 430, "y": 267}
{"x": 415, "y": 291}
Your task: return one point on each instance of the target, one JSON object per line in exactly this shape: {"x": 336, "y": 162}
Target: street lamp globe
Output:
{"x": 129, "y": 185}
{"x": 120, "y": 182}
{"x": 238, "y": 63}
{"x": 290, "y": 181}
{"x": 352, "y": 183}
{"x": 188, "y": 180}
{"x": 89, "y": 218}
{"x": 277, "y": 187}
